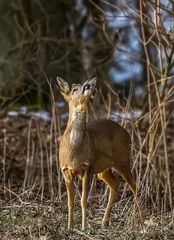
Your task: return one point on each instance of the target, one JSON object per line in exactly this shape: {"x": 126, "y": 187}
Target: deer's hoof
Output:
{"x": 105, "y": 223}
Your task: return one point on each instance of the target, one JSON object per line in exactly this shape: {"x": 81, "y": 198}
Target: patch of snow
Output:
{"x": 60, "y": 104}
{"x": 117, "y": 116}
{"x": 23, "y": 110}
{"x": 42, "y": 115}
{"x": 12, "y": 113}
{"x": 64, "y": 116}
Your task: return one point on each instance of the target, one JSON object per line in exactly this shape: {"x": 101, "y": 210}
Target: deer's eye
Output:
{"x": 74, "y": 90}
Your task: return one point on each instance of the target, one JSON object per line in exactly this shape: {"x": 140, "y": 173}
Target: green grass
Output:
{"x": 45, "y": 221}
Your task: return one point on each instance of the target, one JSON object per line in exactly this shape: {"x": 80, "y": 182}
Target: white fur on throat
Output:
{"x": 74, "y": 136}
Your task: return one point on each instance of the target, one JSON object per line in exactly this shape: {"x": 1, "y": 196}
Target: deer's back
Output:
{"x": 106, "y": 129}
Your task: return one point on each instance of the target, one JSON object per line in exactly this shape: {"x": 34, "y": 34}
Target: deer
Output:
{"x": 94, "y": 148}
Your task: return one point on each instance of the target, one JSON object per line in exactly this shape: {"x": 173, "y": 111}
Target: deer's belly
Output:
{"x": 75, "y": 166}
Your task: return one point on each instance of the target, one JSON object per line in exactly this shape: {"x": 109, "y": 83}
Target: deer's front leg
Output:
{"x": 70, "y": 193}
{"x": 85, "y": 186}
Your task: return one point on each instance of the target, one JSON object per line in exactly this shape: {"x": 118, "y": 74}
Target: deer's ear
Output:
{"x": 92, "y": 81}
{"x": 63, "y": 86}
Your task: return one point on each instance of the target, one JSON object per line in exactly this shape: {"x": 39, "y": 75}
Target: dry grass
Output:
{"x": 33, "y": 220}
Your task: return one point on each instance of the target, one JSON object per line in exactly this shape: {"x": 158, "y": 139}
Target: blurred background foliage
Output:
{"x": 40, "y": 39}
{"x": 76, "y": 39}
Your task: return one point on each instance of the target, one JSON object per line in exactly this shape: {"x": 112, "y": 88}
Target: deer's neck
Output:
{"x": 76, "y": 127}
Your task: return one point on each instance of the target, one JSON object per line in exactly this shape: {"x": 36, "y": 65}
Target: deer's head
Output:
{"x": 77, "y": 95}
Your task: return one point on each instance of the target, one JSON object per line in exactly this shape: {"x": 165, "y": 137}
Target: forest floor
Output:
{"x": 44, "y": 221}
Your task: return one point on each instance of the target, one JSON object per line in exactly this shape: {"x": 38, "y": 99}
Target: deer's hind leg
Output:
{"x": 127, "y": 175}
{"x": 113, "y": 183}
